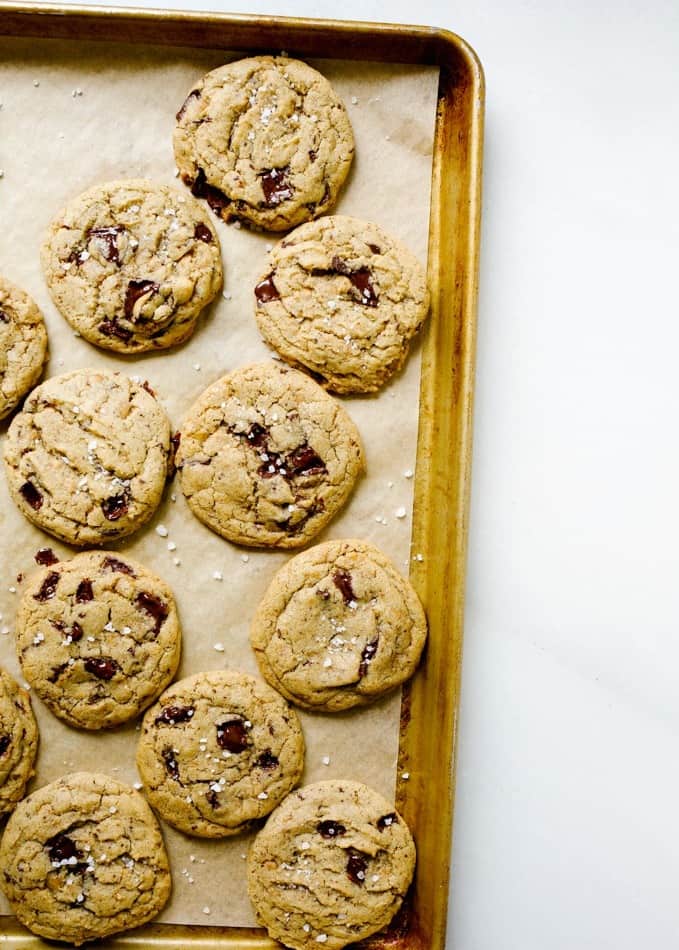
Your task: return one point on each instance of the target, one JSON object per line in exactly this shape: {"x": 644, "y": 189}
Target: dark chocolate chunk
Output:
{"x": 267, "y": 760}
{"x": 62, "y": 848}
{"x": 147, "y": 386}
{"x": 323, "y": 594}
{"x": 32, "y": 495}
{"x": 386, "y": 821}
{"x": 57, "y": 671}
{"x": 304, "y": 461}
{"x": 360, "y": 279}
{"x": 48, "y": 587}
{"x": 109, "y": 241}
{"x": 75, "y": 632}
{"x": 212, "y": 798}
{"x": 46, "y": 557}
{"x": 342, "y": 581}
{"x": 115, "y": 507}
{"x": 4, "y": 743}
{"x": 84, "y": 594}
{"x": 312, "y": 155}
{"x": 3, "y": 316}
{"x": 153, "y": 606}
{"x": 266, "y": 290}
{"x": 330, "y": 829}
{"x": 215, "y": 198}
{"x": 170, "y": 762}
{"x": 171, "y": 715}
{"x": 103, "y": 667}
{"x": 256, "y": 435}
{"x": 111, "y": 328}
{"x": 115, "y": 564}
{"x": 367, "y": 656}
{"x": 136, "y": 289}
{"x": 356, "y": 867}
{"x": 375, "y": 249}
{"x": 232, "y": 735}
{"x": 202, "y": 233}
{"x": 275, "y": 186}
{"x": 20, "y": 577}
{"x": 194, "y": 94}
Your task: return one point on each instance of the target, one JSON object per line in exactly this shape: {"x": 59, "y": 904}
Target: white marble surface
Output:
{"x": 567, "y": 820}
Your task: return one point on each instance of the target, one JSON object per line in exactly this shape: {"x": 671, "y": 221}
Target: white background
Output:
{"x": 567, "y": 816}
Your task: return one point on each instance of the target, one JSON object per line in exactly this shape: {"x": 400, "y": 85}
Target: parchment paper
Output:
{"x": 74, "y": 114}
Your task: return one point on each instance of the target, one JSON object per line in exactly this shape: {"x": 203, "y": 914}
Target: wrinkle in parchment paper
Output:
{"x": 76, "y": 114}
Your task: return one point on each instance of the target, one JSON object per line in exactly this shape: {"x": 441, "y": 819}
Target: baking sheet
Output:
{"x": 74, "y": 114}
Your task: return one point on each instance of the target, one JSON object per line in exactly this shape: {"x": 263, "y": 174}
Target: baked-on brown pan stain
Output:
{"x": 442, "y": 479}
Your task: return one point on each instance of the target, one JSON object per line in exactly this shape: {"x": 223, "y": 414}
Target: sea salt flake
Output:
{"x": 326, "y": 760}
{"x": 162, "y": 531}
{"x": 400, "y": 512}
{"x": 219, "y": 647}
{"x": 217, "y": 576}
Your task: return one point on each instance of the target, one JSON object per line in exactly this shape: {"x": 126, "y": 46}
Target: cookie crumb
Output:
{"x": 162, "y": 531}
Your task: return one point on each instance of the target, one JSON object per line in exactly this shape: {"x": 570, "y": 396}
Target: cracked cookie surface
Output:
{"x": 87, "y": 457}
{"x": 330, "y": 867}
{"x": 131, "y": 264}
{"x": 98, "y": 638}
{"x": 266, "y": 457}
{"x": 18, "y": 742}
{"x": 337, "y": 627}
{"x": 342, "y": 298}
{"x": 84, "y": 858}
{"x": 23, "y": 345}
{"x": 264, "y": 139}
{"x": 219, "y": 751}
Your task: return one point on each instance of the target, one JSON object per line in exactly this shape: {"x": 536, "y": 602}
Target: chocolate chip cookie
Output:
{"x": 337, "y": 627}
{"x": 23, "y": 345}
{"x": 18, "y": 742}
{"x": 218, "y": 751}
{"x": 131, "y": 264}
{"x": 265, "y": 140}
{"x": 87, "y": 457}
{"x": 267, "y": 457}
{"x": 84, "y": 858}
{"x": 343, "y": 299}
{"x": 330, "y": 867}
{"x": 98, "y": 638}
